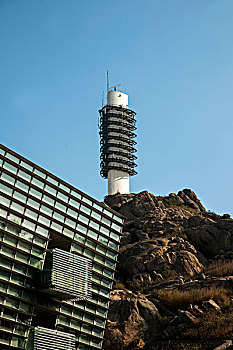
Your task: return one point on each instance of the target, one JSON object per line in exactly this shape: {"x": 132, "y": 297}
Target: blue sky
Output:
{"x": 174, "y": 59}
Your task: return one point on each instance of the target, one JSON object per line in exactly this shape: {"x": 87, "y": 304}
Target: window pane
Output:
{"x": 52, "y": 180}
{"x": 70, "y": 222}
{"x": 17, "y": 207}
{"x": 56, "y": 226}
{"x": 43, "y": 220}
{"x": 92, "y": 234}
{"x": 6, "y": 189}
{"x": 62, "y": 196}
{"x": 10, "y": 167}
{"x": 94, "y": 225}
{"x": 26, "y": 235}
{"x": 106, "y": 221}
{"x": 40, "y": 173}
{"x": 95, "y": 215}
{"x": 74, "y": 203}
{"x": 8, "y": 178}
{"x": 21, "y": 197}
{"x": 58, "y": 216}
{"x": 90, "y": 244}
{"x": 4, "y": 201}
{"x": 75, "y": 194}
{"x": 103, "y": 240}
{"x": 73, "y": 213}
{"x": 26, "y": 165}
{"x": 87, "y": 200}
{"x": 115, "y": 236}
{"x": 14, "y": 218}
{"x": 31, "y": 214}
{"x": 116, "y": 227}
{"x": 50, "y": 190}
{"x": 83, "y": 218}
{"x": 33, "y": 203}
{"x": 60, "y": 206}
{"x": 46, "y": 210}
{"x": 37, "y": 183}
{"x": 24, "y": 175}
{"x": 28, "y": 224}
{"x": 64, "y": 187}
{"x": 42, "y": 231}
{"x": 35, "y": 193}
{"x": 84, "y": 209}
{"x": 68, "y": 232}
{"x": 22, "y": 185}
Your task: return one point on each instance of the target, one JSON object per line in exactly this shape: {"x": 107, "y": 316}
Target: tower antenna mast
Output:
{"x": 107, "y": 82}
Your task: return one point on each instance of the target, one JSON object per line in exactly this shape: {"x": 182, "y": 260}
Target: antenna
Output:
{"x": 115, "y": 86}
{"x": 107, "y": 82}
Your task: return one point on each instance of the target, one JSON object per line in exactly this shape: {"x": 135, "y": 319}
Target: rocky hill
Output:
{"x": 174, "y": 284}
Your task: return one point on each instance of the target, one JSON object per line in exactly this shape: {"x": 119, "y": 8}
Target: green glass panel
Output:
{"x": 22, "y": 185}
{"x": 6, "y": 189}
{"x": 26, "y": 165}
{"x": 24, "y": 175}
{"x": 37, "y": 182}
{"x": 40, "y": 173}
{"x": 33, "y": 203}
{"x": 35, "y": 193}
{"x": 10, "y": 167}
{"x": 4, "y": 201}
{"x": 8, "y": 178}
{"x": 62, "y": 196}
{"x": 52, "y": 180}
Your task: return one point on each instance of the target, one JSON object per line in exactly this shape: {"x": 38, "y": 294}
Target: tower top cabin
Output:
{"x": 117, "y": 144}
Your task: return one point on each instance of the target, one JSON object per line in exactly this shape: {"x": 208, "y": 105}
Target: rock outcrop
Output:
{"x": 166, "y": 246}
{"x": 149, "y": 217}
{"x": 132, "y": 321}
{"x": 160, "y": 255}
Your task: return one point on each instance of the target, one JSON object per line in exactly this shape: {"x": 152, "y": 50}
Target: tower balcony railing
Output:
{"x": 118, "y": 108}
{"x": 124, "y": 116}
{"x": 120, "y": 161}
{"x": 104, "y": 122}
{"x": 106, "y": 145}
{"x": 106, "y": 130}
{"x": 105, "y": 169}
{"x": 127, "y": 140}
{"x": 66, "y": 275}
{"x": 115, "y": 151}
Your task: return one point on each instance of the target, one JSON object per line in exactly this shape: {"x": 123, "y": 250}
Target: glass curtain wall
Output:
{"x": 40, "y": 212}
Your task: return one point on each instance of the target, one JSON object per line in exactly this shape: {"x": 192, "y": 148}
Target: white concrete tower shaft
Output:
{"x": 117, "y": 123}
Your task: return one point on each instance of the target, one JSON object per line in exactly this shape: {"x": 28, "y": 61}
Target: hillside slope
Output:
{"x": 175, "y": 274}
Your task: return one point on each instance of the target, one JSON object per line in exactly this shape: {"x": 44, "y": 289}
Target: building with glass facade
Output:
{"x": 58, "y": 252}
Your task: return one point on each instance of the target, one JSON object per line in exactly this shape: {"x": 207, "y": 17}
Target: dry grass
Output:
{"x": 176, "y": 299}
{"x": 212, "y": 326}
{"x": 220, "y": 268}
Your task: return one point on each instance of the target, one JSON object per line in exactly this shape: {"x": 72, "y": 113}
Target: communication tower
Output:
{"x": 117, "y": 144}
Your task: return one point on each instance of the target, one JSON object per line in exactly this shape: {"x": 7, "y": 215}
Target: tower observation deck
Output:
{"x": 117, "y": 142}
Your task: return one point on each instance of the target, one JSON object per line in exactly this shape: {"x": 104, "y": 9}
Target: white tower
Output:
{"x": 117, "y": 147}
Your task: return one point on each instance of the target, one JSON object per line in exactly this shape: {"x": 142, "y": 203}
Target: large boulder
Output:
{"x": 132, "y": 321}
{"x": 212, "y": 236}
{"x": 160, "y": 255}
